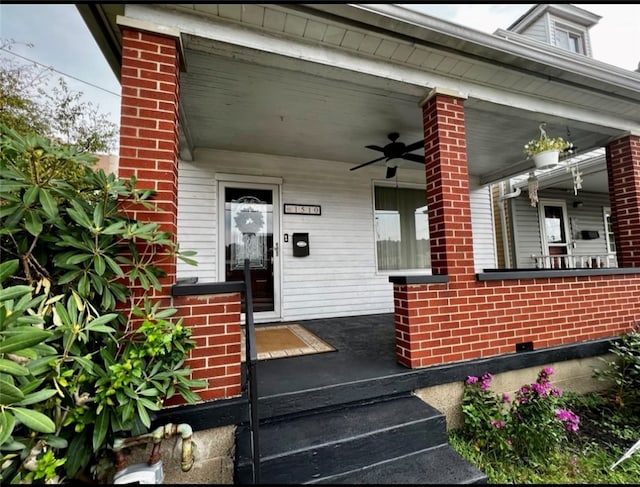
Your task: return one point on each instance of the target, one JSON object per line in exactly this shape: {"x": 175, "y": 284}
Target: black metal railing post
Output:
{"x": 252, "y": 381}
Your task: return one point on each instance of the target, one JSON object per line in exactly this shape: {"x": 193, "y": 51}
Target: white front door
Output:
{"x": 556, "y": 235}
{"x": 249, "y": 219}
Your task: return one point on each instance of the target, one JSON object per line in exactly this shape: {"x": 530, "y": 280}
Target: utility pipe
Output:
{"x": 157, "y": 435}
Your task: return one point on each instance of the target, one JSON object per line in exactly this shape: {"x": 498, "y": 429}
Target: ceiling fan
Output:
{"x": 395, "y": 150}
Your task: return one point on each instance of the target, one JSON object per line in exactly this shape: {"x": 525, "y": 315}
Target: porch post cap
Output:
{"x": 153, "y": 28}
{"x": 438, "y": 90}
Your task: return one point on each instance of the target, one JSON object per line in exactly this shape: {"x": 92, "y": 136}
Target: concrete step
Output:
{"x": 439, "y": 465}
{"x": 349, "y": 440}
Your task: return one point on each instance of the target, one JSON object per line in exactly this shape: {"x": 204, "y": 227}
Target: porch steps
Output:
{"x": 395, "y": 439}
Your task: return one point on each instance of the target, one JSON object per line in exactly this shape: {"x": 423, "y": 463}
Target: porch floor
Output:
{"x": 365, "y": 349}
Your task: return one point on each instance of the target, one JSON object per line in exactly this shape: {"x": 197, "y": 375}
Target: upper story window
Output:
{"x": 569, "y": 39}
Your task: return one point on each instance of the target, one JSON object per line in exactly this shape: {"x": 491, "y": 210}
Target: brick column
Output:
{"x": 447, "y": 185}
{"x": 149, "y": 138}
{"x": 623, "y": 170}
{"x": 149, "y": 128}
{"x": 424, "y": 332}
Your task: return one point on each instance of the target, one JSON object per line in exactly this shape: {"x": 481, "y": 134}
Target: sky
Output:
{"x": 62, "y": 42}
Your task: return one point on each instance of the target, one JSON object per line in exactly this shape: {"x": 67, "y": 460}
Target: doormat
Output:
{"x": 280, "y": 341}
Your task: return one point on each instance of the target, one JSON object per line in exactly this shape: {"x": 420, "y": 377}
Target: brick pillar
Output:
{"x": 623, "y": 170}
{"x": 149, "y": 128}
{"x": 447, "y": 185}
{"x": 149, "y": 138}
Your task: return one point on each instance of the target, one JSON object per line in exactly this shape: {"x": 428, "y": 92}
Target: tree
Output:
{"x": 30, "y": 105}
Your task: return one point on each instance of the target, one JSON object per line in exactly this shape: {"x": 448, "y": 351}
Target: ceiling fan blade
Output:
{"x": 391, "y": 171}
{"x": 416, "y": 145}
{"x": 414, "y": 158}
{"x": 367, "y": 163}
{"x": 375, "y": 147}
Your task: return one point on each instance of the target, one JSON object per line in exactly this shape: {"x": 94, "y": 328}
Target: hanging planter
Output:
{"x": 546, "y": 159}
{"x": 545, "y": 150}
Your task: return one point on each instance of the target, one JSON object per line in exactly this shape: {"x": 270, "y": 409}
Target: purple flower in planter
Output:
{"x": 472, "y": 379}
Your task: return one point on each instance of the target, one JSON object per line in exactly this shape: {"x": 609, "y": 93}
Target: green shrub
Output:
{"x": 75, "y": 372}
{"x": 624, "y": 371}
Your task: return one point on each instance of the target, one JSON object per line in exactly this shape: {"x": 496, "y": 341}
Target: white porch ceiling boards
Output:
{"x": 324, "y": 80}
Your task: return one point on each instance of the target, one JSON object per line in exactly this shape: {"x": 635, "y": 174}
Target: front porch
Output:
{"x": 364, "y": 366}
{"x": 359, "y": 402}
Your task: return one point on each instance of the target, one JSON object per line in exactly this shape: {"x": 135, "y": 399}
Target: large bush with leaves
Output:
{"x": 74, "y": 370}
{"x": 623, "y": 371}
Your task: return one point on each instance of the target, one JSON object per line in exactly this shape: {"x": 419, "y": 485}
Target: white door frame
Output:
{"x": 567, "y": 229}
{"x": 266, "y": 183}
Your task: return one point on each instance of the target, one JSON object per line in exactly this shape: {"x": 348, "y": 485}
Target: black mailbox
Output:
{"x": 300, "y": 244}
{"x": 590, "y": 234}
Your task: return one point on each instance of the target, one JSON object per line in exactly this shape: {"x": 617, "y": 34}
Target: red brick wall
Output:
{"x": 467, "y": 319}
{"x": 444, "y": 323}
{"x": 623, "y": 169}
{"x": 215, "y": 322}
{"x": 149, "y": 133}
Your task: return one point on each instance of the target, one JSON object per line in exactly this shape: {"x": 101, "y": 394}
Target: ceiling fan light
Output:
{"x": 391, "y": 171}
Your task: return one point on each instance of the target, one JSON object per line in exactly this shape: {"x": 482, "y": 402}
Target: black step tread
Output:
{"x": 438, "y": 465}
{"x": 290, "y": 435}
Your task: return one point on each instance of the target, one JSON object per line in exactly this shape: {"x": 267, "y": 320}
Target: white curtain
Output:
{"x": 402, "y": 235}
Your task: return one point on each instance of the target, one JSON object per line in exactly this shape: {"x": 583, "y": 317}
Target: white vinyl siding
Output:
{"x": 339, "y": 276}
{"x": 538, "y": 30}
{"x": 484, "y": 244}
{"x": 589, "y": 216}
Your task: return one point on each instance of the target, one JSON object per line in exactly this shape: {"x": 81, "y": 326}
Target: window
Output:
{"x": 402, "y": 229}
{"x": 569, "y": 39}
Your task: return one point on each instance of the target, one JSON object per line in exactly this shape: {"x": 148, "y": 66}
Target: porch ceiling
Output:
{"x": 300, "y": 103}
{"x": 294, "y": 108}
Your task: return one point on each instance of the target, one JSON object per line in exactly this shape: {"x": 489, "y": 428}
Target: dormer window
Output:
{"x": 569, "y": 39}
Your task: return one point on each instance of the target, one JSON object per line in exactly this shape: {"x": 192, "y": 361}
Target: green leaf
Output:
{"x": 143, "y": 415}
{"x": 27, "y": 338}
{"x": 86, "y": 364}
{"x": 102, "y": 320}
{"x": 30, "y": 195}
{"x": 114, "y": 228}
{"x": 8, "y": 269}
{"x": 33, "y": 223}
{"x": 37, "y": 397}
{"x": 9, "y": 394}
{"x": 7, "y": 423}
{"x": 34, "y": 420}
{"x": 98, "y": 215}
{"x": 100, "y": 429}
{"x": 115, "y": 268}
{"x": 56, "y": 442}
{"x": 78, "y": 215}
{"x": 77, "y": 258}
{"x": 10, "y": 367}
{"x": 14, "y": 292}
{"x": 78, "y": 455}
{"x": 48, "y": 203}
{"x": 99, "y": 265}
{"x": 150, "y": 405}
{"x": 149, "y": 392}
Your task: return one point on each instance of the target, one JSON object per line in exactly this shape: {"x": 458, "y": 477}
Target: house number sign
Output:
{"x": 294, "y": 209}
